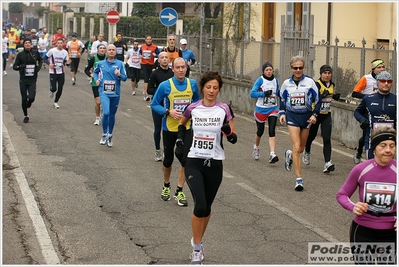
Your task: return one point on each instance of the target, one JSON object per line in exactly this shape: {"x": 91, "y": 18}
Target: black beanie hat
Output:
{"x": 325, "y": 68}
{"x": 267, "y": 64}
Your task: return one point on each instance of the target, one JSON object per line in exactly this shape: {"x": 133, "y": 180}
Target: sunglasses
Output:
{"x": 386, "y": 81}
{"x": 297, "y": 68}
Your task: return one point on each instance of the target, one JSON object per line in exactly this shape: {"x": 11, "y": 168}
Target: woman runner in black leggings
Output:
{"x": 326, "y": 91}
{"x": 210, "y": 120}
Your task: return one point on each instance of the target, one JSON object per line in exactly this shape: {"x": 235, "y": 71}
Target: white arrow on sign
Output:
{"x": 170, "y": 17}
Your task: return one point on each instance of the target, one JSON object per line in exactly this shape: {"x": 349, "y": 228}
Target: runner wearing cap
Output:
{"x": 365, "y": 86}
{"x": 188, "y": 55}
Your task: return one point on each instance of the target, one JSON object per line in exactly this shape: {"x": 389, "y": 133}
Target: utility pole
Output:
{"x": 202, "y": 19}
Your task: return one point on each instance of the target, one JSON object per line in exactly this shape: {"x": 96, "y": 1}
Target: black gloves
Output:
{"x": 325, "y": 93}
{"x": 268, "y": 93}
{"x": 22, "y": 66}
{"x": 179, "y": 150}
{"x": 336, "y": 96}
{"x": 226, "y": 130}
{"x": 364, "y": 124}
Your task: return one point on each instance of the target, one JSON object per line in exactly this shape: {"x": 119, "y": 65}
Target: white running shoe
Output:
{"x": 273, "y": 158}
{"x": 328, "y": 167}
{"x": 133, "y": 92}
{"x": 158, "y": 155}
{"x": 202, "y": 248}
{"x": 146, "y": 97}
{"x": 51, "y": 94}
{"x": 103, "y": 140}
{"x": 306, "y": 158}
{"x": 97, "y": 122}
{"x": 55, "y": 104}
{"x": 299, "y": 184}
{"x": 196, "y": 258}
{"x": 109, "y": 140}
{"x": 4, "y": 73}
{"x": 255, "y": 154}
{"x": 11, "y": 65}
{"x": 288, "y": 159}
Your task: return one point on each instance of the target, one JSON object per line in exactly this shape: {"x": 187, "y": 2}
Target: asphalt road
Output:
{"x": 68, "y": 200}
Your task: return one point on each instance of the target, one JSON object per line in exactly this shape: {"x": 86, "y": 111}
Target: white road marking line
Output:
{"x": 314, "y": 142}
{"x": 289, "y": 213}
{"x": 47, "y": 249}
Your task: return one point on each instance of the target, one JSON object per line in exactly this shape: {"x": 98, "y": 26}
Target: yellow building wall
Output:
{"x": 349, "y": 21}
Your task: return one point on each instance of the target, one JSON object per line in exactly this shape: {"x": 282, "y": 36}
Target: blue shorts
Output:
{"x": 298, "y": 119}
{"x": 12, "y": 50}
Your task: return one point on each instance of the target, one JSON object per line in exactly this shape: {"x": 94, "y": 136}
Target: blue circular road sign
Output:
{"x": 168, "y": 16}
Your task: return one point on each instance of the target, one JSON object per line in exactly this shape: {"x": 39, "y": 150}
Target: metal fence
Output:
{"x": 243, "y": 60}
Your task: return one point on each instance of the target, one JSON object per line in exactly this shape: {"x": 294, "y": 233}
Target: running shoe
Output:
{"x": 202, "y": 248}
{"x": 73, "y": 81}
{"x": 273, "y": 158}
{"x": 158, "y": 155}
{"x": 165, "y": 195}
{"x": 97, "y": 121}
{"x": 181, "y": 198}
{"x": 255, "y": 154}
{"x": 103, "y": 140}
{"x": 146, "y": 97}
{"x": 4, "y": 73}
{"x": 288, "y": 160}
{"x": 306, "y": 158}
{"x": 299, "y": 184}
{"x": 196, "y": 258}
{"x": 109, "y": 140}
{"x": 357, "y": 158}
{"x": 55, "y": 104}
{"x": 328, "y": 167}
{"x": 11, "y": 65}
{"x": 26, "y": 119}
{"x": 133, "y": 92}
{"x": 51, "y": 94}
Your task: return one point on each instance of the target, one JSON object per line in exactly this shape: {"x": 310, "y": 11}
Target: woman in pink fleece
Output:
{"x": 375, "y": 212}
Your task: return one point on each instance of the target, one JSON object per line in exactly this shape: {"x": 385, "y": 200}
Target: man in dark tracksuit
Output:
{"x": 28, "y": 62}
{"x": 380, "y": 109}
{"x": 160, "y": 74}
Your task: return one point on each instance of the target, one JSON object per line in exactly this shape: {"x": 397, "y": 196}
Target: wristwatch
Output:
{"x": 167, "y": 112}
{"x": 315, "y": 114}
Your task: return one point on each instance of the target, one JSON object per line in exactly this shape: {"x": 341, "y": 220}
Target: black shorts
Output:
{"x": 147, "y": 70}
{"x": 95, "y": 91}
{"x": 74, "y": 64}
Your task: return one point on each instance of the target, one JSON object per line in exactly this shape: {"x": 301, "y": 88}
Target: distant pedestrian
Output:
{"x": 108, "y": 75}
{"x": 100, "y": 55}
{"x": 56, "y": 58}
{"x": 266, "y": 90}
{"x": 327, "y": 94}
{"x": 100, "y": 40}
{"x": 133, "y": 60}
{"x": 365, "y": 86}
{"x": 298, "y": 95}
{"x": 188, "y": 55}
{"x": 159, "y": 75}
{"x": 75, "y": 49}
{"x": 121, "y": 47}
{"x": 28, "y": 63}
{"x": 148, "y": 51}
